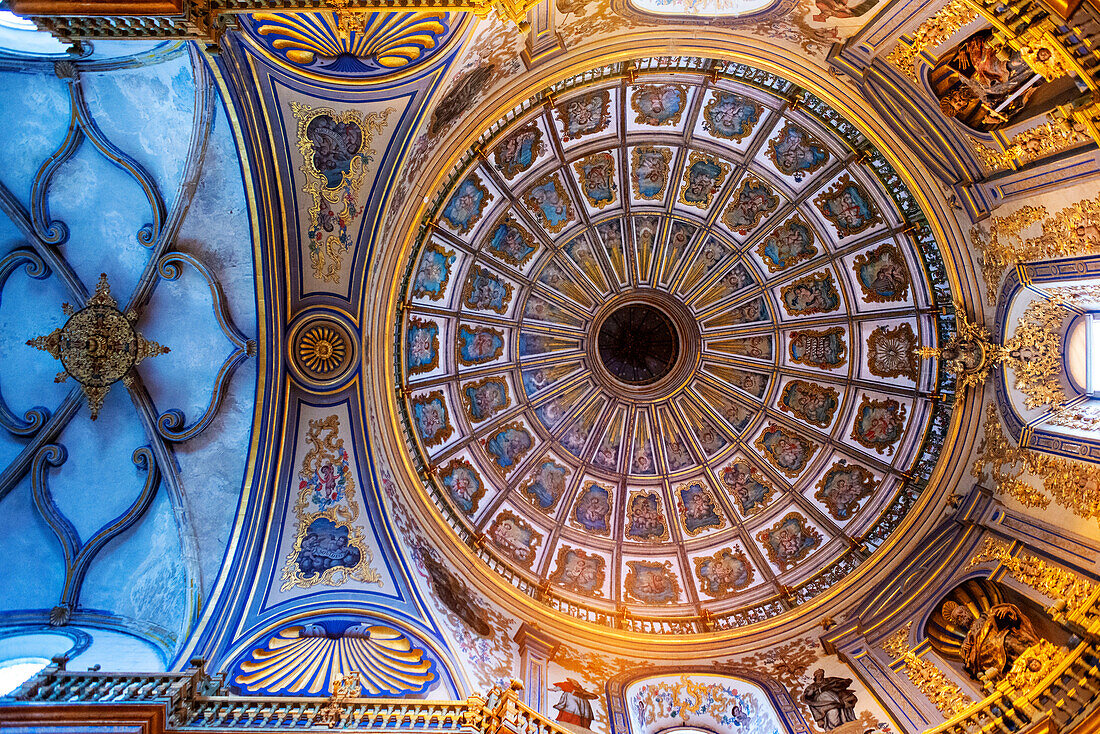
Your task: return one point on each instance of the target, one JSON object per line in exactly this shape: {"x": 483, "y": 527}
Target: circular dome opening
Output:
{"x": 637, "y": 344}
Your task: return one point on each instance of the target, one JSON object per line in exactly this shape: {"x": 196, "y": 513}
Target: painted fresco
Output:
{"x": 327, "y": 546}
{"x": 515, "y": 537}
{"x": 752, "y": 202}
{"x": 879, "y": 424}
{"x": 479, "y": 344}
{"x": 724, "y": 573}
{"x": 550, "y": 203}
{"x": 812, "y": 403}
{"x": 597, "y": 179}
{"x": 848, "y": 206}
{"x": 730, "y": 116}
{"x": 584, "y": 115}
{"x": 843, "y": 487}
{"x": 421, "y": 346}
{"x": 510, "y": 242}
{"x": 462, "y": 484}
{"x": 882, "y": 274}
{"x": 592, "y": 510}
{"x": 546, "y": 485}
{"x": 789, "y": 541}
{"x": 485, "y": 398}
{"x": 698, "y": 509}
{"x": 796, "y": 153}
{"x": 509, "y": 445}
{"x": 757, "y": 347}
{"x": 659, "y": 105}
{"x": 747, "y": 487}
{"x": 466, "y": 205}
{"x": 645, "y": 521}
{"x": 787, "y": 451}
{"x": 430, "y": 415}
{"x": 787, "y": 245}
{"x": 815, "y": 293}
{"x": 579, "y": 572}
{"x": 433, "y": 272}
{"x": 518, "y": 151}
{"x": 893, "y": 352}
{"x": 649, "y": 172}
{"x": 651, "y": 582}
{"x": 819, "y": 348}
{"x": 486, "y": 291}
{"x": 749, "y": 313}
{"x": 703, "y": 178}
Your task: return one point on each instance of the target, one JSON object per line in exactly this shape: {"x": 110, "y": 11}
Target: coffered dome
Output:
{"x": 659, "y": 345}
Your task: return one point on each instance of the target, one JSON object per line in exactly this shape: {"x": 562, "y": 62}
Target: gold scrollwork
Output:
{"x": 930, "y": 34}
{"x": 943, "y": 692}
{"x": 1051, "y": 581}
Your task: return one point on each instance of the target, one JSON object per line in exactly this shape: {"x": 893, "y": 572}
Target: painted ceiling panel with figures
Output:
{"x": 742, "y": 439}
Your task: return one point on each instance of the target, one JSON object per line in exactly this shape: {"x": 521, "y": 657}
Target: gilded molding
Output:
{"x": 1051, "y": 581}
{"x": 943, "y": 692}
{"x": 930, "y": 34}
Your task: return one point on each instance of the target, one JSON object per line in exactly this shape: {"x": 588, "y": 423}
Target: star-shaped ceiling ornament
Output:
{"x": 98, "y": 345}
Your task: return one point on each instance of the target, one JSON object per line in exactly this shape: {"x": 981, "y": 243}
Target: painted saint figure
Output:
{"x": 574, "y": 707}
{"x": 831, "y": 700}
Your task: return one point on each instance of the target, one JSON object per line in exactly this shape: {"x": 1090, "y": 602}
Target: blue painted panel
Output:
{"x": 37, "y": 106}
{"x": 34, "y": 568}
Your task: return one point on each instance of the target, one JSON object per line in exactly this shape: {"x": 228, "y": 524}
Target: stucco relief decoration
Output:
{"x": 335, "y": 149}
{"x": 1054, "y": 582}
{"x": 931, "y": 34}
{"x": 98, "y": 346}
{"x": 893, "y": 352}
{"x": 307, "y": 659}
{"x": 943, "y": 692}
{"x": 1034, "y": 353}
{"x": 328, "y": 548}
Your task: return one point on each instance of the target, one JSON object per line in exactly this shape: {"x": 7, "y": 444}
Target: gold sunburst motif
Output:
{"x": 322, "y": 349}
{"x": 97, "y": 346}
{"x": 391, "y": 40}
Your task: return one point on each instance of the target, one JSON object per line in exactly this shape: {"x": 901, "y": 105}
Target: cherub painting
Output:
{"x": 726, "y": 572}
{"x": 785, "y": 449}
{"x": 479, "y": 344}
{"x": 753, "y": 201}
{"x": 592, "y": 510}
{"x": 486, "y": 291}
{"x": 658, "y": 105}
{"x": 698, "y": 510}
{"x": 847, "y": 205}
{"x": 485, "y": 398}
{"x": 651, "y": 582}
{"x": 751, "y": 492}
{"x": 516, "y": 538}
{"x": 466, "y": 204}
{"x": 545, "y": 486}
{"x": 430, "y": 417}
{"x": 519, "y": 150}
{"x": 550, "y": 204}
{"x": 879, "y": 424}
{"x": 756, "y": 347}
{"x": 787, "y": 245}
{"x": 579, "y": 571}
{"x": 421, "y": 346}
{"x": 812, "y": 403}
{"x": 882, "y": 274}
{"x": 789, "y": 540}
{"x": 825, "y": 349}
{"x": 749, "y": 313}
{"x": 842, "y": 488}
{"x": 462, "y": 484}
{"x": 649, "y": 172}
{"x": 510, "y": 242}
{"x": 509, "y": 445}
{"x": 645, "y": 520}
{"x": 812, "y": 294}
{"x": 702, "y": 179}
{"x": 730, "y": 116}
{"x": 796, "y": 153}
{"x": 584, "y": 115}
{"x": 597, "y": 178}
{"x": 433, "y": 272}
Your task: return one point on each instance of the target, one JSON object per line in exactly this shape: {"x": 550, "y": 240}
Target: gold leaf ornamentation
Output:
{"x": 930, "y": 34}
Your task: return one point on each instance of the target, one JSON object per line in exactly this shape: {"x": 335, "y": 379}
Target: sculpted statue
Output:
{"x": 993, "y": 640}
{"x": 831, "y": 701}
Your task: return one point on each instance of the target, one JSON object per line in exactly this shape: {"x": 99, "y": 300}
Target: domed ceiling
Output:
{"x": 659, "y": 344}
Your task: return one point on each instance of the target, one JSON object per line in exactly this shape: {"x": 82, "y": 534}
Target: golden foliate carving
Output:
{"x": 945, "y": 23}
{"x": 1061, "y": 131}
{"x": 1051, "y": 581}
{"x": 970, "y": 354}
{"x": 1072, "y": 231}
{"x": 1033, "y": 665}
{"x": 897, "y": 643}
{"x": 1034, "y": 353}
